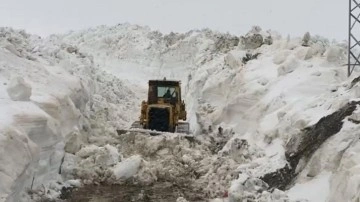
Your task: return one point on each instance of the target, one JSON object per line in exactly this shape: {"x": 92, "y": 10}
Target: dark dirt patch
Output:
{"x": 354, "y": 121}
{"x": 160, "y": 192}
{"x": 66, "y": 192}
{"x": 311, "y": 139}
{"x": 355, "y": 81}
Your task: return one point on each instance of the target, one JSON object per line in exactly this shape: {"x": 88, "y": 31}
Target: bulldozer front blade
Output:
{"x": 183, "y": 127}
{"x": 135, "y": 125}
{"x": 142, "y": 131}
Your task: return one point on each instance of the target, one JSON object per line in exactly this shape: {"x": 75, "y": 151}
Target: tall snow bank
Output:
{"x": 47, "y": 122}
{"x": 18, "y": 157}
{"x": 37, "y": 115}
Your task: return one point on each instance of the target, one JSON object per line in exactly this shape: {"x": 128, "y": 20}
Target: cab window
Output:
{"x": 166, "y": 92}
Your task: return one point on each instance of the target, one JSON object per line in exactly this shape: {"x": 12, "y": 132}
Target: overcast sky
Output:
{"x": 324, "y": 17}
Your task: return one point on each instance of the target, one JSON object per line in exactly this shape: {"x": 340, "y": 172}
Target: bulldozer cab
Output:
{"x": 163, "y": 91}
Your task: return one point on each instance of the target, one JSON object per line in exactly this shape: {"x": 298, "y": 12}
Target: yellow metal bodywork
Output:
{"x": 177, "y": 109}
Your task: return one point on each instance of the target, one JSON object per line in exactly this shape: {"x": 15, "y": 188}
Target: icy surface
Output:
{"x": 62, "y": 99}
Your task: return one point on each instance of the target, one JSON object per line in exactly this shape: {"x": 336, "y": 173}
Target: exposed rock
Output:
{"x": 306, "y": 39}
{"x": 224, "y": 43}
{"x": 246, "y": 188}
{"x": 252, "y": 42}
{"x": 354, "y": 82}
{"x": 72, "y": 49}
{"x": 268, "y": 40}
{"x": 249, "y": 57}
{"x": 172, "y": 38}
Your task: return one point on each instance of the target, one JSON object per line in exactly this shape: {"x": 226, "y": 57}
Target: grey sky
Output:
{"x": 324, "y": 17}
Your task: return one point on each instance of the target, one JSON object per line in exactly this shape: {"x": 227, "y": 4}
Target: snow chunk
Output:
{"x": 19, "y": 89}
{"x": 68, "y": 166}
{"x": 74, "y": 143}
{"x": 280, "y": 57}
{"x": 289, "y": 66}
{"x": 87, "y": 151}
{"x": 113, "y": 154}
{"x": 334, "y": 54}
{"x": 247, "y": 188}
{"x": 127, "y": 168}
{"x": 181, "y": 199}
{"x": 74, "y": 183}
{"x": 231, "y": 61}
{"x": 107, "y": 155}
{"x": 317, "y": 73}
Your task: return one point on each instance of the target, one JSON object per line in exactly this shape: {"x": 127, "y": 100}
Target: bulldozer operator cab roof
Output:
{"x": 163, "y": 89}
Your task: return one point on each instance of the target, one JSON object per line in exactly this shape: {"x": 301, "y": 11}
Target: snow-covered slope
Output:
{"x": 86, "y": 84}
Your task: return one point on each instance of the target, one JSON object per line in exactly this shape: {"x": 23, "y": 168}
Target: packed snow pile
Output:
{"x": 48, "y": 98}
{"x": 63, "y": 98}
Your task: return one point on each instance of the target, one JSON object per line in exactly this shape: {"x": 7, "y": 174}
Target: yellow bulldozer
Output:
{"x": 164, "y": 110}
